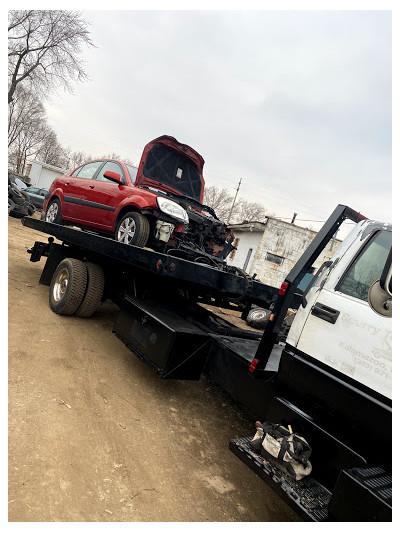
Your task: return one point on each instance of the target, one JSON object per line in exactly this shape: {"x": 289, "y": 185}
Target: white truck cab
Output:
{"x": 338, "y": 325}
{"x": 333, "y": 385}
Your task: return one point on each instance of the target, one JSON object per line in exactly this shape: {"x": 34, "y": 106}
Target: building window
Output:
{"x": 277, "y": 259}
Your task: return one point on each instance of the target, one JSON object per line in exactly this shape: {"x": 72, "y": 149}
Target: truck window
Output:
{"x": 367, "y": 267}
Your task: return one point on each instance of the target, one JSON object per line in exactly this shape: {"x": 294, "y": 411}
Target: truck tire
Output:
{"x": 133, "y": 229}
{"x": 258, "y": 317}
{"x": 94, "y": 291}
{"x": 53, "y": 212}
{"x": 68, "y": 286}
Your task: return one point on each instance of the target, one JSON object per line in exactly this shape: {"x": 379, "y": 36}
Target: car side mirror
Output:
{"x": 380, "y": 292}
{"x": 113, "y": 176}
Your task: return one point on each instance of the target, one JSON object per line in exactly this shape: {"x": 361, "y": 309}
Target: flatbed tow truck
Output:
{"x": 321, "y": 381}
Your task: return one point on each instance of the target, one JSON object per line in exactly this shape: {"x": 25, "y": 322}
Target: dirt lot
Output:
{"x": 95, "y": 435}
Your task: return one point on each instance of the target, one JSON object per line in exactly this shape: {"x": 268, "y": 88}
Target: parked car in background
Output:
{"x": 37, "y": 196}
{"x": 22, "y": 186}
{"x": 19, "y": 203}
{"x": 158, "y": 204}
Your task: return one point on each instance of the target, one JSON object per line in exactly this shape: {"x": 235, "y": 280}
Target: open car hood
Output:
{"x": 171, "y": 166}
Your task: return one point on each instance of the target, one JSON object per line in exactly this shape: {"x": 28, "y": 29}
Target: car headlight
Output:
{"x": 172, "y": 209}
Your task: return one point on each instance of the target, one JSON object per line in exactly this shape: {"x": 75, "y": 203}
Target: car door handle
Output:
{"x": 91, "y": 186}
{"x": 67, "y": 183}
{"x": 325, "y": 312}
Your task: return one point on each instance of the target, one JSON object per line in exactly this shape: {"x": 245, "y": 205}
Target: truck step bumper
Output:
{"x": 307, "y": 497}
{"x": 362, "y": 495}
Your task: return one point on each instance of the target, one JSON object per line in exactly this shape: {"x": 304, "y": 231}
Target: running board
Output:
{"x": 307, "y": 497}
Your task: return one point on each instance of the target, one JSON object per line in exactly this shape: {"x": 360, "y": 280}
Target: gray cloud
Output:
{"x": 297, "y": 104}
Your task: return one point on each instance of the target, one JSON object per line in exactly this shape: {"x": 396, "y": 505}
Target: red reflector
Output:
{"x": 158, "y": 264}
{"x": 283, "y": 288}
{"x": 253, "y": 365}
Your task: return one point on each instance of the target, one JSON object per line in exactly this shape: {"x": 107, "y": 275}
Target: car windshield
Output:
{"x": 132, "y": 172}
{"x": 168, "y": 167}
{"x": 20, "y": 184}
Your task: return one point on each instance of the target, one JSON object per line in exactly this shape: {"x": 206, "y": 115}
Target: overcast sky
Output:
{"x": 296, "y": 103}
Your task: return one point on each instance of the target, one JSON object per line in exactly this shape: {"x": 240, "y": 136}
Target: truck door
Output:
{"x": 341, "y": 329}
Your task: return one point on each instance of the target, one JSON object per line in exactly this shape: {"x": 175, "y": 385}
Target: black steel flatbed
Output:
{"x": 223, "y": 283}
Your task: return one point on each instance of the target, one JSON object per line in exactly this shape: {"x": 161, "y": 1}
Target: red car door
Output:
{"x": 107, "y": 195}
{"x": 78, "y": 193}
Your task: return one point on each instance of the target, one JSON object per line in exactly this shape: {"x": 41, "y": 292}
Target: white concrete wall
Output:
{"x": 288, "y": 241}
{"x": 34, "y": 173}
{"x": 247, "y": 240}
{"x": 41, "y": 176}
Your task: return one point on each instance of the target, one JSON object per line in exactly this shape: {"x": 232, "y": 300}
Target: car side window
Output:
{"x": 75, "y": 172}
{"x": 367, "y": 267}
{"x": 111, "y": 166}
{"x": 33, "y": 190}
{"x": 89, "y": 170}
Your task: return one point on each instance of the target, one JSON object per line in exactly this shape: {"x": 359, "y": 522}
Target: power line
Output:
{"x": 303, "y": 219}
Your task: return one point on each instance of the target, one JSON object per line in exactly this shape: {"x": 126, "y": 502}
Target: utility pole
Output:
{"x": 234, "y": 200}
{"x": 294, "y": 218}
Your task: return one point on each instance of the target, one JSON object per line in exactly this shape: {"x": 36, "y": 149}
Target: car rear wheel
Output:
{"x": 134, "y": 229}
{"x": 68, "y": 286}
{"x": 53, "y": 212}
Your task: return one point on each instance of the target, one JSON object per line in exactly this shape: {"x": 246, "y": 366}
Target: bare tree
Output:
{"x": 219, "y": 199}
{"x": 44, "y": 49}
{"x": 25, "y": 107}
{"x": 248, "y": 211}
{"x": 116, "y": 156}
{"x": 51, "y": 151}
{"x": 74, "y": 159}
{"x": 27, "y": 128}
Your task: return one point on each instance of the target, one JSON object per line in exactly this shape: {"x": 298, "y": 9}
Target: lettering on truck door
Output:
{"x": 343, "y": 331}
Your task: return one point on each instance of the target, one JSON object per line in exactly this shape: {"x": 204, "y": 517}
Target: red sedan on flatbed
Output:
{"x": 158, "y": 204}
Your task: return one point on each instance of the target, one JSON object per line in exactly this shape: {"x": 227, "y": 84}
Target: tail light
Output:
{"x": 253, "y": 365}
{"x": 283, "y": 289}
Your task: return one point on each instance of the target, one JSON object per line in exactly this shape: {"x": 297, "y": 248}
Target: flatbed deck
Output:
{"x": 225, "y": 282}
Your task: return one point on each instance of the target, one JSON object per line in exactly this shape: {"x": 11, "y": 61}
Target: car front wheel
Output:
{"x": 53, "y": 212}
{"x": 133, "y": 229}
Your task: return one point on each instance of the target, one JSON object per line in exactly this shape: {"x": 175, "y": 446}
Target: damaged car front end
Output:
{"x": 174, "y": 172}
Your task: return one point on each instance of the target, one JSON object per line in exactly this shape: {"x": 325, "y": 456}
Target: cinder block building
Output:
{"x": 270, "y": 249}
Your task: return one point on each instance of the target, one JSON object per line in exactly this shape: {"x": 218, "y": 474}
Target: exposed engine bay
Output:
{"x": 205, "y": 233}
{"x": 205, "y": 239}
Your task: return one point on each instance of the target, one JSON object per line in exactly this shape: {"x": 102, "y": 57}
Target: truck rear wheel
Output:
{"x": 133, "y": 228}
{"x": 94, "y": 291}
{"x": 68, "y": 286}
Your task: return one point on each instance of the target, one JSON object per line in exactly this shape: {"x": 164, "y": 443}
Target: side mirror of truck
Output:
{"x": 380, "y": 292}
{"x": 113, "y": 176}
